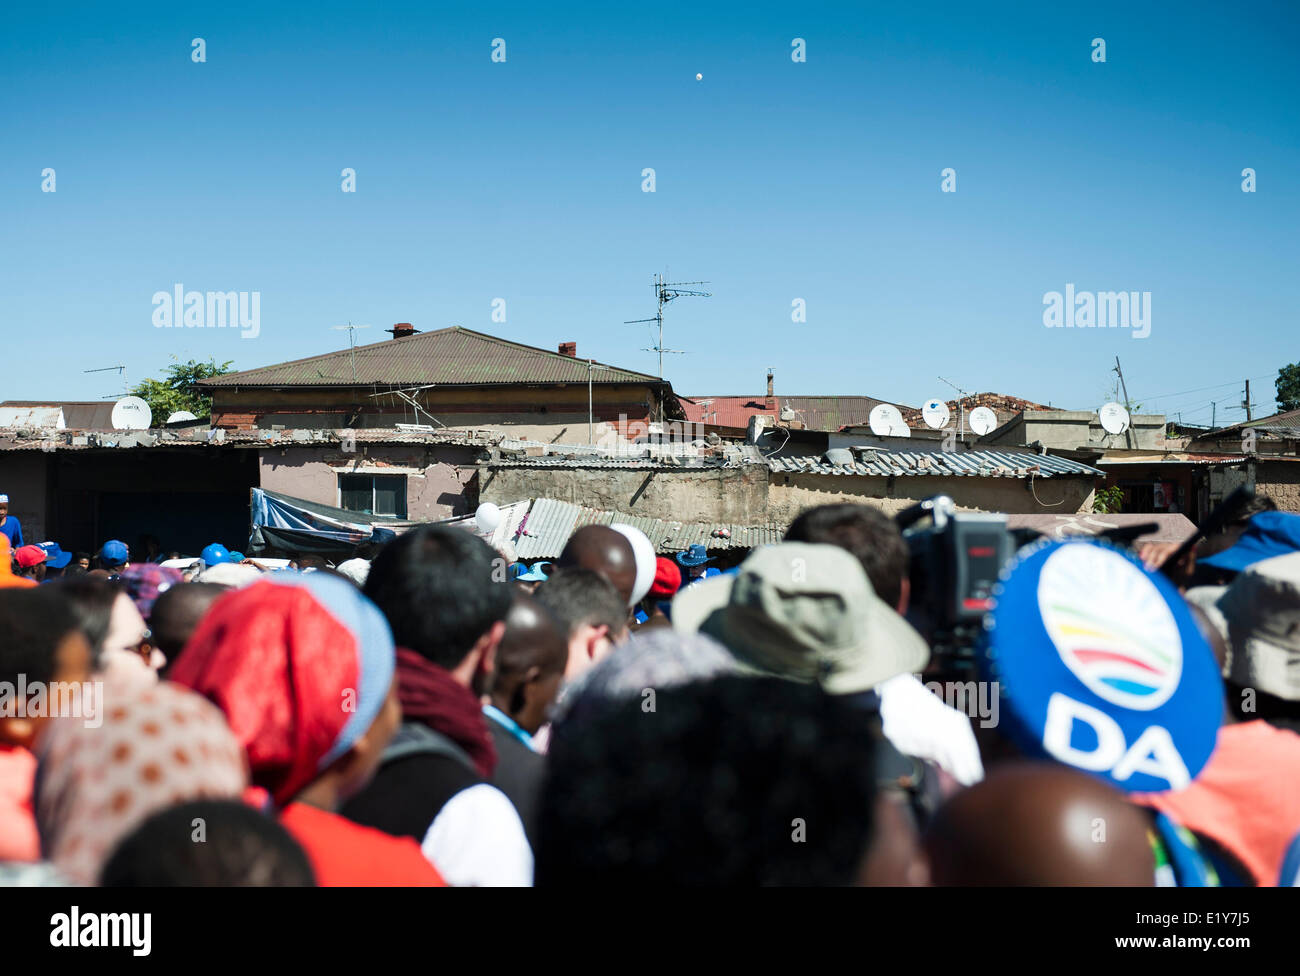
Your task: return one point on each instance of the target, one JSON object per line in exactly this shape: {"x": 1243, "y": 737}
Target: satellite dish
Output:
{"x": 886, "y": 421}
{"x": 935, "y": 414}
{"x": 1114, "y": 418}
{"x": 179, "y": 415}
{"x": 983, "y": 420}
{"x": 131, "y": 413}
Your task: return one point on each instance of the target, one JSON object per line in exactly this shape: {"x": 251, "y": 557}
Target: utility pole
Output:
{"x": 1214, "y": 407}
{"x": 1128, "y": 434}
{"x": 1246, "y": 402}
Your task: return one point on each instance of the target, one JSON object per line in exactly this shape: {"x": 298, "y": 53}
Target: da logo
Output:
{"x": 1102, "y": 666}
{"x": 1111, "y": 626}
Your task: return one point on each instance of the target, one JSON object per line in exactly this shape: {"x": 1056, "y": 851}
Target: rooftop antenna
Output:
{"x": 352, "y": 343}
{"x": 961, "y": 407}
{"x": 121, "y": 369}
{"x": 408, "y": 397}
{"x": 665, "y": 292}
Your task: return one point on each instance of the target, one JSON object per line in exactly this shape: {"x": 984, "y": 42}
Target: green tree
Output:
{"x": 179, "y": 389}
{"x": 1108, "y": 501}
{"x": 1288, "y": 387}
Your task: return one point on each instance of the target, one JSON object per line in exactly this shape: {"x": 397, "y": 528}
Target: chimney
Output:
{"x": 402, "y": 329}
{"x": 569, "y": 349}
{"x": 771, "y": 396}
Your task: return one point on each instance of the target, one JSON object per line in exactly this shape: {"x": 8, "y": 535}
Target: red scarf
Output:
{"x": 429, "y": 694}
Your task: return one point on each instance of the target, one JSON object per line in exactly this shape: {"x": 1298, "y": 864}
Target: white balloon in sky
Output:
{"x": 699, "y": 77}
{"x": 487, "y": 517}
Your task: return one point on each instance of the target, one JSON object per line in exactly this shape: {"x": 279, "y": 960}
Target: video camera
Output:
{"x": 956, "y": 558}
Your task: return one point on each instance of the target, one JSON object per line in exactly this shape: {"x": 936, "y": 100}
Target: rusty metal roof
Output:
{"x": 550, "y": 522}
{"x": 977, "y": 464}
{"x": 447, "y": 357}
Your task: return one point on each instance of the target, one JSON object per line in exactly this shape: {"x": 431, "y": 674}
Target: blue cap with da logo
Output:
{"x": 1101, "y": 666}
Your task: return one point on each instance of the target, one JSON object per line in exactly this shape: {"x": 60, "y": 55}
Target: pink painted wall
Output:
{"x": 436, "y": 475}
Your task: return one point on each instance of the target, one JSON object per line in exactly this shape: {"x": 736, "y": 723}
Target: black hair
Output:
{"x": 867, "y": 534}
{"x": 177, "y": 612}
{"x": 33, "y": 622}
{"x": 437, "y": 587}
{"x": 92, "y": 602}
{"x": 238, "y": 846}
{"x": 736, "y": 781}
{"x": 579, "y": 597}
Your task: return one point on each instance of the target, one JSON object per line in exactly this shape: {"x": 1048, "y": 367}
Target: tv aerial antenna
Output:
{"x": 352, "y": 343}
{"x": 119, "y": 369}
{"x": 665, "y": 292}
{"x": 961, "y": 406}
{"x": 408, "y": 396}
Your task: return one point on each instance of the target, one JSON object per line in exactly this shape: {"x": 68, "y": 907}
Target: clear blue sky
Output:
{"x": 775, "y": 180}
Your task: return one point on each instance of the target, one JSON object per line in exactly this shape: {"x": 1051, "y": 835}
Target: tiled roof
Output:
{"x": 1003, "y": 406}
{"x": 448, "y": 357}
{"x": 977, "y": 464}
{"x": 550, "y": 523}
{"x": 826, "y": 413}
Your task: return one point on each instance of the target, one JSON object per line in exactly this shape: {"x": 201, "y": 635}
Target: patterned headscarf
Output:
{"x": 156, "y": 748}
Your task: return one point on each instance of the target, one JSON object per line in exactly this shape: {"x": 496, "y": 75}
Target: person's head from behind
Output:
{"x": 737, "y": 781}
{"x": 592, "y": 613}
{"x": 208, "y": 842}
{"x": 607, "y": 552}
{"x": 97, "y": 782}
{"x": 114, "y": 556}
{"x": 868, "y": 535}
{"x": 439, "y": 588}
{"x": 303, "y": 666}
{"x": 42, "y": 648}
{"x": 118, "y": 635}
{"x": 176, "y": 615}
{"x": 530, "y": 663}
{"x": 1038, "y": 823}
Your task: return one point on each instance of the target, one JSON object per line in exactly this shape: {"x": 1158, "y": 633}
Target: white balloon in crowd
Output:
{"x": 487, "y": 518}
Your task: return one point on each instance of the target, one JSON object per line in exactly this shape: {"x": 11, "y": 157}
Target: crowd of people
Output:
{"x": 437, "y": 713}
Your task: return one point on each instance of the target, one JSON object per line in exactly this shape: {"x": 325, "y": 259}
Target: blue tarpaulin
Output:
{"x": 282, "y": 523}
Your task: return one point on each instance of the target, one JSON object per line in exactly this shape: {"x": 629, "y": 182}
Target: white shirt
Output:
{"x": 919, "y": 724}
{"x": 477, "y": 840}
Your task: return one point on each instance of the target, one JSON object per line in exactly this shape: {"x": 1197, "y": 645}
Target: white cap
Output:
{"x": 4, "y": 499}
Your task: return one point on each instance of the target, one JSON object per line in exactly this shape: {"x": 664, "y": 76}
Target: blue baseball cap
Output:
{"x": 215, "y": 554}
{"x": 1266, "y": 535}
{"x": 537, "y": 574}
{"x": 114, "y": 552}
{"x": 237, "y": 557}
{"x": 55, "y": 558}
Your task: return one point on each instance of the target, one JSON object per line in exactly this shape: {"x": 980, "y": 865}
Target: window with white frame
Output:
{"x": 373, "y": 494}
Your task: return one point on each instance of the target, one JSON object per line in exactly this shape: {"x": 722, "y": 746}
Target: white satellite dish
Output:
{"x": 131, "y": 413}
{"x": 983, "y": 420}
{"x": 935, "y": 414}
{"x": 886, "y": 421}
{"x": 1114, "y": 418}
{"x": 179, "y": 415}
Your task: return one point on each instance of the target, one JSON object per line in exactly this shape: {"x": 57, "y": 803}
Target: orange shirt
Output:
{"x": 347, "y": 855}
{"x": 19, "y": 840}
{"x": 1247, "y": 798}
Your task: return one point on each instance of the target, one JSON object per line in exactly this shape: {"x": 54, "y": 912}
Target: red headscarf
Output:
{"x": 284, "y": 667}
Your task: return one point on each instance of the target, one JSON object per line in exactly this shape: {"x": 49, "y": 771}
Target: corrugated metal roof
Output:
{"x": 550, "y": 522}
{"x": 978, "y": 464}
{"x": 449, "y": 357}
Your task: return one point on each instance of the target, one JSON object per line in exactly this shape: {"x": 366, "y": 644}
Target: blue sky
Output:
{"x": 775, "y": 180}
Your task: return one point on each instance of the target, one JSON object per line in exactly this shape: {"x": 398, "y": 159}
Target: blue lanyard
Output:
{"x": 509, "y": 724}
